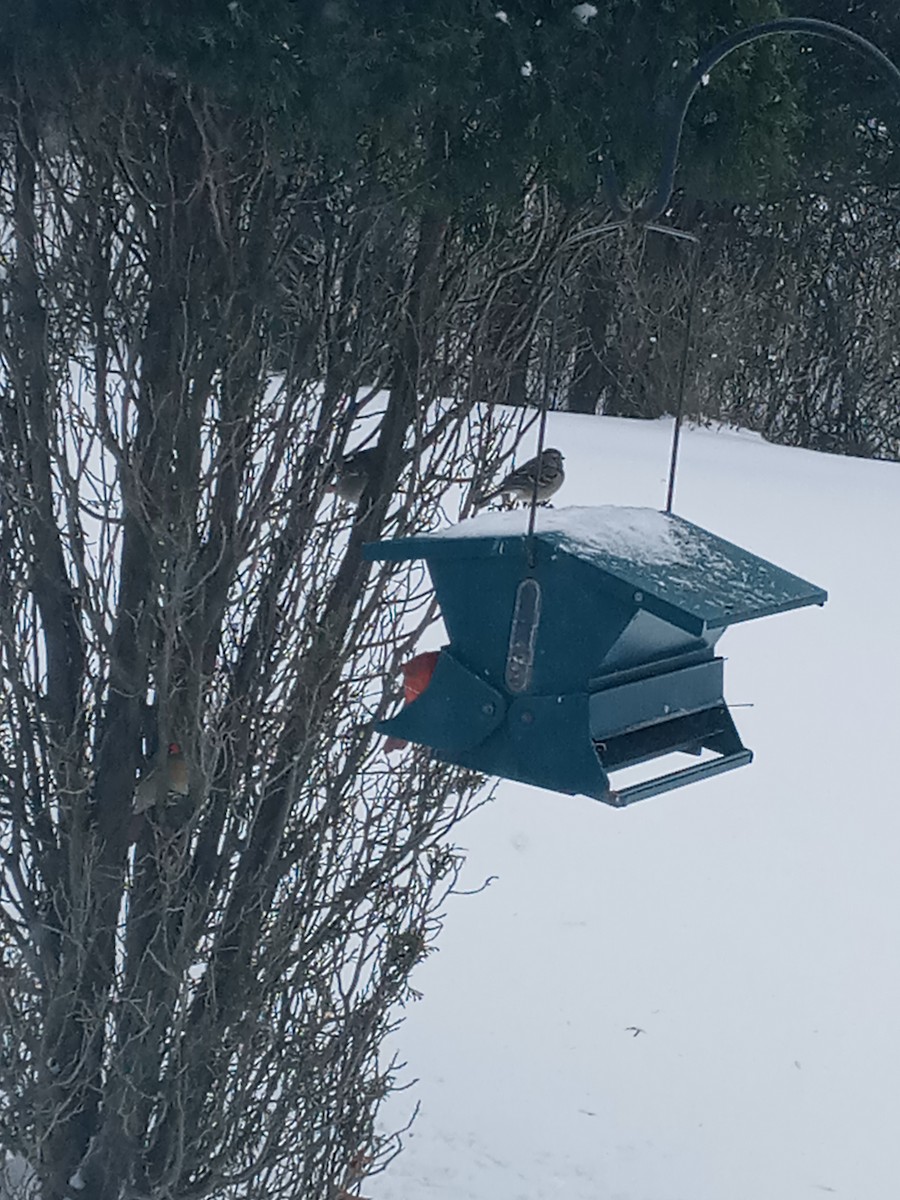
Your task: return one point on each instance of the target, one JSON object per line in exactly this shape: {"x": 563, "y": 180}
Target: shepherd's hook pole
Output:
{"x": 655, "y": 206}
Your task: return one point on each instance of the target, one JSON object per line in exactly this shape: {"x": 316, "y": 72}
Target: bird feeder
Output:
{"x": 587, "y": 648}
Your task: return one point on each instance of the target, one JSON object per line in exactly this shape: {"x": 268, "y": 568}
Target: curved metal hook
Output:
{"x": 654, "y": 207}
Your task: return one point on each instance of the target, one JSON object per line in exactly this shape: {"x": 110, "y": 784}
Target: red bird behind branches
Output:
{"x": 417, "y": 675}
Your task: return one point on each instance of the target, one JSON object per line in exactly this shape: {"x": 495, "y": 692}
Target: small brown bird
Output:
{"x": 520, "y": 483}
{"x": 351, "y": 475}
{"x": 168, "y": 778}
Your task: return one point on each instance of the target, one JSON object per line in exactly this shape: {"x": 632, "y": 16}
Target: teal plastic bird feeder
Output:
{"x": 587, "y": 648}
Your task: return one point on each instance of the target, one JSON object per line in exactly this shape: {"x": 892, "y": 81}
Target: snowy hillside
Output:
{"x": 747, "y": 927}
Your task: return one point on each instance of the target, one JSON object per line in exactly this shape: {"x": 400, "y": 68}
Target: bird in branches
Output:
{"x": 547, "y": 468}
{"x": 169, "y": 777}
{"x": 351, "y": 475}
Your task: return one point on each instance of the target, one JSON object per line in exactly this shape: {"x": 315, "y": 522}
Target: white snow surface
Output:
{"x": 748, "y": 926}
{"x": 642, "y": 535}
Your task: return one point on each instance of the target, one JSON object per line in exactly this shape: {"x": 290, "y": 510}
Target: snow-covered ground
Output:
{"x": 748, "y": 927}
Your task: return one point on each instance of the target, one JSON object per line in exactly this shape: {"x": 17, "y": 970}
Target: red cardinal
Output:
{"x": 417, "y": 675}
{"x": 149, "y": 789}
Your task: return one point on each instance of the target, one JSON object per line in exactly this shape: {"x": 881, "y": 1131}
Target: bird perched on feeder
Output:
{"x": 417, "y": 675}
{"x": 546, "y": 467}
{"x": 351, "y": 475}
{"x": 167, "y": 778}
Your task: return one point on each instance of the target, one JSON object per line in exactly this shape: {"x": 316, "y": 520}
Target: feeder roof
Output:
{"x": 677, "y": 568}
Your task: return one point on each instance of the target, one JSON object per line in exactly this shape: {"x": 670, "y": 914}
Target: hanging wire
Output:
{"x": 548, "y": 370}
{"x": 594, "y": 234}
{"x": 694, "y": 269}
